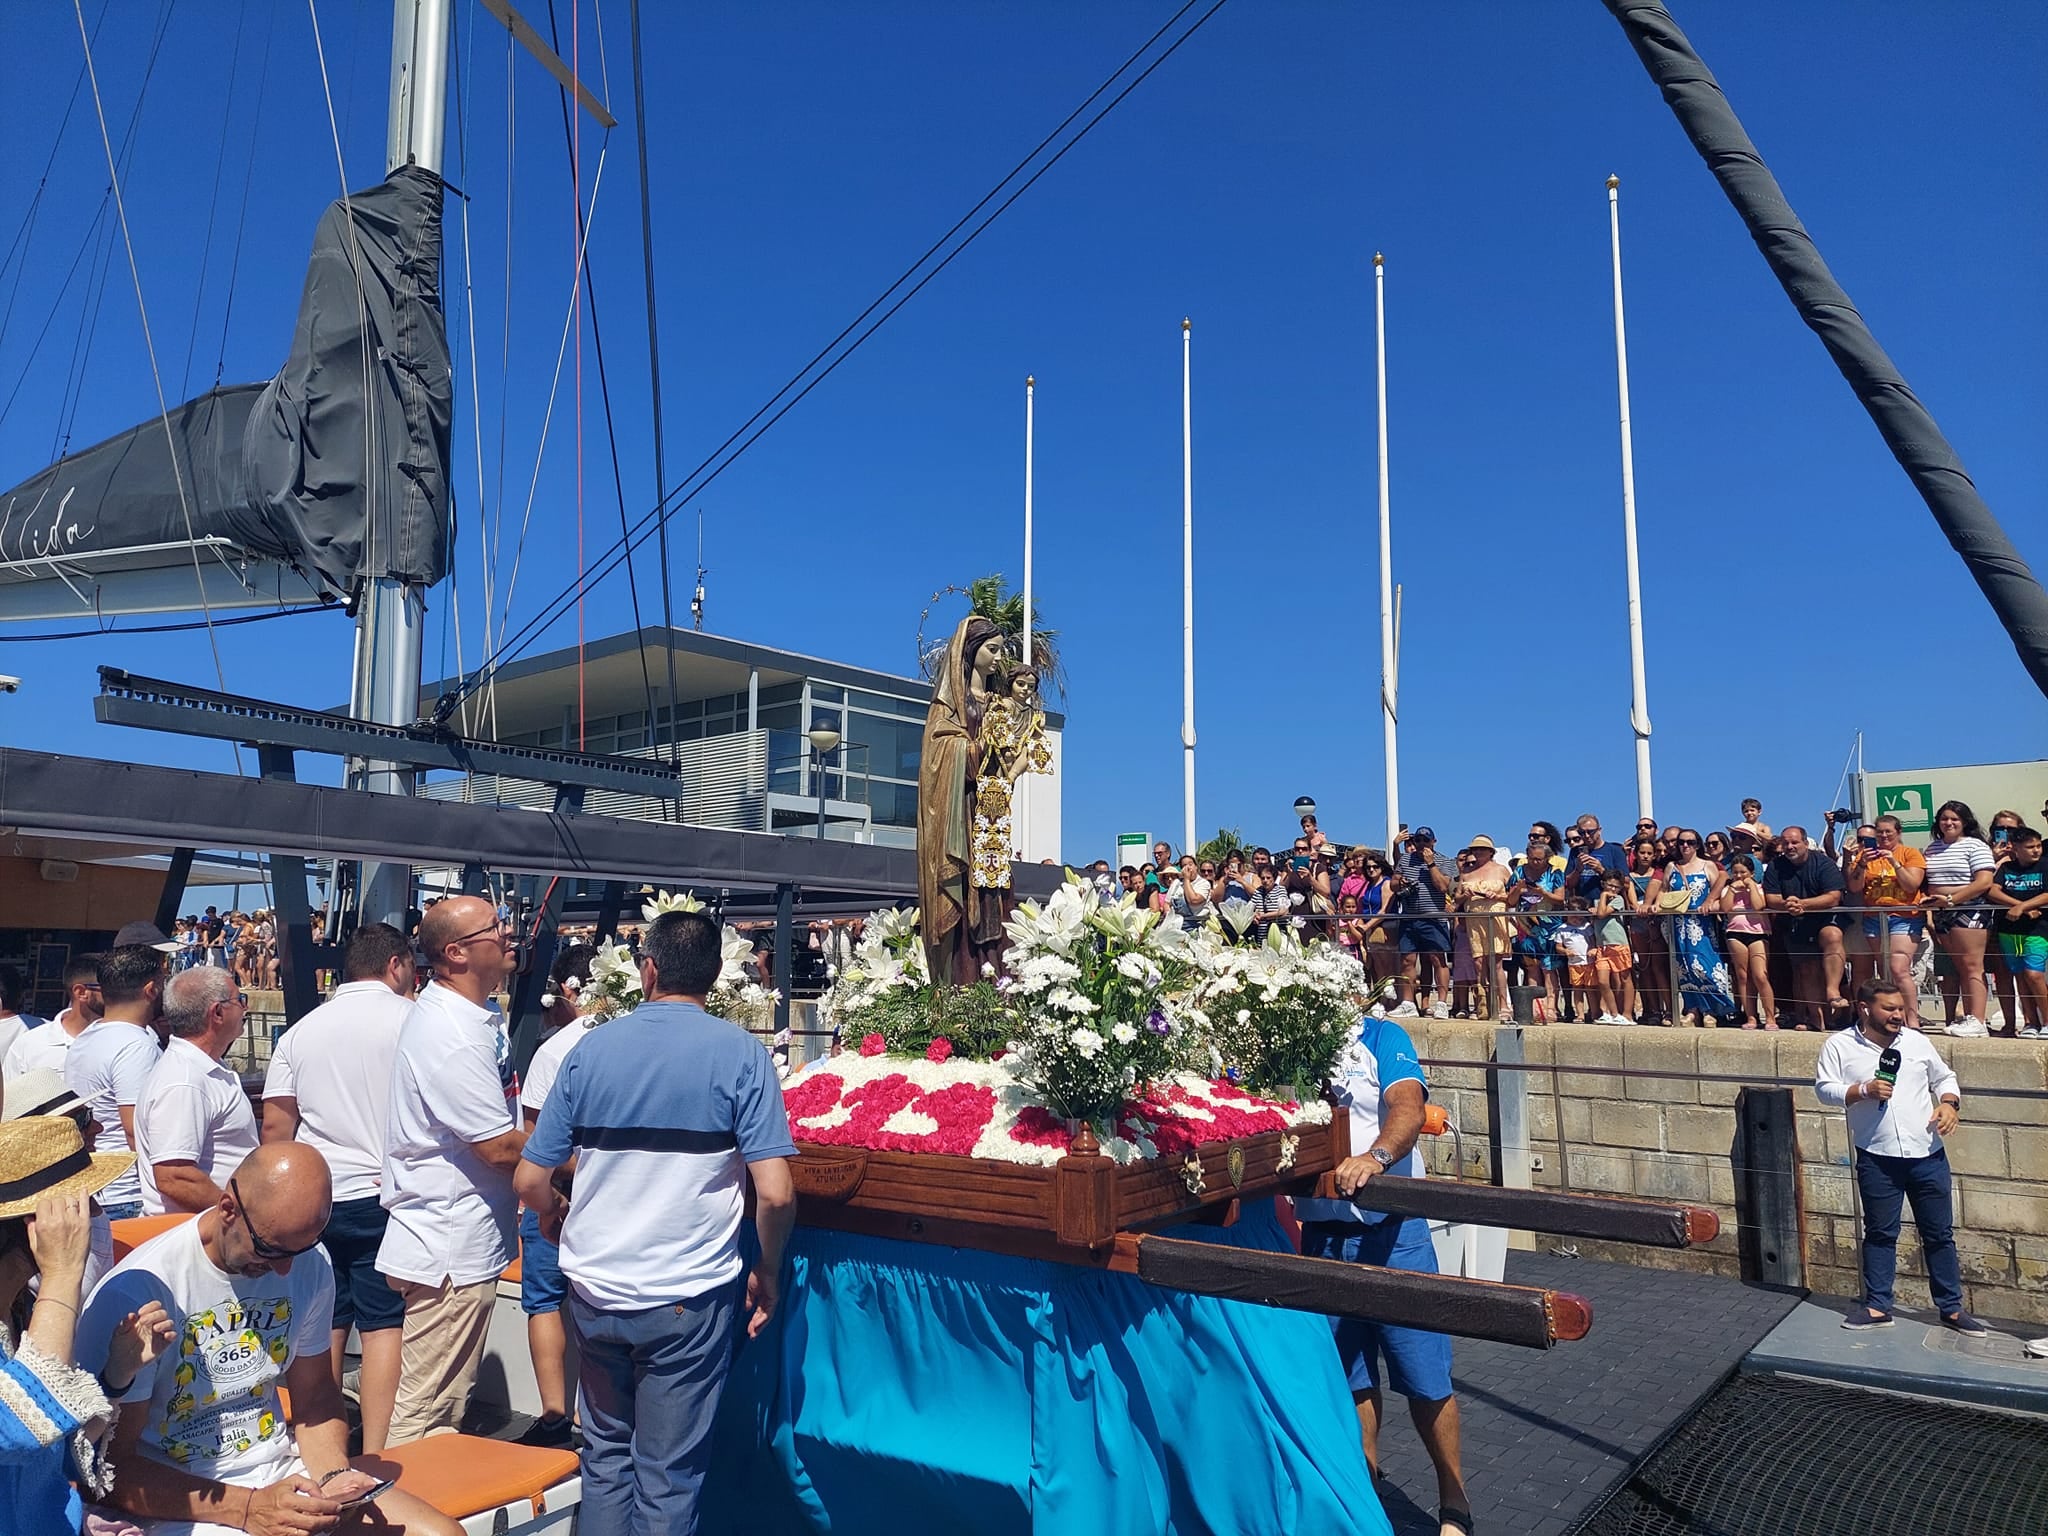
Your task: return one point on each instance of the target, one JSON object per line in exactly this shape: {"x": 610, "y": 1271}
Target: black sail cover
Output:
{"x": 338, "y": 466}
{"x": 1907, "y": 426}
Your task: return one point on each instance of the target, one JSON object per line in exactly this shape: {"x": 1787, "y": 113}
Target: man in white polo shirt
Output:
{"x": 329, "y": 1085}
{"x": 44, "y": 1048}
{"x": 450, "y": 1147}
{"x": 667, "y": 1112}
{"x": 193, "y": 1125}
{"x": 1901, "y": 1099}
{"x": 109, "y": 1065}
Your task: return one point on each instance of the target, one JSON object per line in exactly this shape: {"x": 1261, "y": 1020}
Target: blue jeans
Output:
{"x": 650, "y": 1383}
{"x": 1887, "y": 1183}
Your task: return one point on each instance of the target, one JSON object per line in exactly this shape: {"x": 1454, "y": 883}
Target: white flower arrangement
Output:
{"x": 614, "y": 986}
{"x": 889, "y": 959}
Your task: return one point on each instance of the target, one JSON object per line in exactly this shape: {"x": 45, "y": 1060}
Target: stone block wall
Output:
{"x": 1671, "y": 1136}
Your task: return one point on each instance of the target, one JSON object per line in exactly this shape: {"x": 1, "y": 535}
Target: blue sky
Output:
{"x": 1795, "y": 589}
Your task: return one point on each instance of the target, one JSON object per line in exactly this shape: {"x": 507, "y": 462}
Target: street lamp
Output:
{"x": 824, "y": 742}
{"x": 1304, "y": 808}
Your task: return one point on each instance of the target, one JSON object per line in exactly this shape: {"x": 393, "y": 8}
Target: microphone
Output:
{"x": 1888, "y": 1069}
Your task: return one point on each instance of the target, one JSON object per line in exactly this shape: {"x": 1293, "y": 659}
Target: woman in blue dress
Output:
{"x": 1702, "y": 979}
{"x": 1534, "y": 892}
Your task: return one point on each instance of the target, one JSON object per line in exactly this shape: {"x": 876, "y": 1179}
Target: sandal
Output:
{"x": 1461, "y": 1519}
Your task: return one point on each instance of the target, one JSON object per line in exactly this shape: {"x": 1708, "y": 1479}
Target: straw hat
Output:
{"x": 41, "y": 1092}
{"x": 43, "y": 1156}
{"x": 1480, "y": 844}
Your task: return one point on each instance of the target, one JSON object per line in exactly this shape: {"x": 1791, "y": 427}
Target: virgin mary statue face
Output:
{"x": 988, "y": 656}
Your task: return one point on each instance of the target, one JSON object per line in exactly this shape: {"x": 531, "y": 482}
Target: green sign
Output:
{"x": 1913, "y": 804}
{"x": 1131, "y": 849}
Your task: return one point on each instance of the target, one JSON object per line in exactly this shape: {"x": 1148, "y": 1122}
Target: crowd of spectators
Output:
{"x": 1738, "y": 925}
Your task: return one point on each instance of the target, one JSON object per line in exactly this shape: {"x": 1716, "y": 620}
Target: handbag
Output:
{"x": 1676, "y": 901}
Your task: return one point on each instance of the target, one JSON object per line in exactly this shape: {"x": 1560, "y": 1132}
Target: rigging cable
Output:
{"x": 149, "y": 345}
{"x": 220, "y": 357}
{"x": 668, "y": 612}
{"x": 220, "y": 165}
{"x": 611, "y": 431}
{"x": 25, "y": 231}
{"x": 552, "y": 612}
{"x": 182, "y": 627}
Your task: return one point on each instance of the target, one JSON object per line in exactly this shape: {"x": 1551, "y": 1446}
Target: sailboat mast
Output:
{"x": 390, "y": 622}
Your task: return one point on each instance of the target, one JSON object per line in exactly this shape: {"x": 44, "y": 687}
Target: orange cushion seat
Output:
{"x": 132, "y": 1233}
{"x": 464, "y": 1475}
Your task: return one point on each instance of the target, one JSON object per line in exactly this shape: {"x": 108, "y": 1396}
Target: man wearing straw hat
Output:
{"x": 54, "y": 1417}
{"x": 206, "y": 1448}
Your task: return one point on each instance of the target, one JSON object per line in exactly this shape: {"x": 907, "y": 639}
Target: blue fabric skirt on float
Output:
{"x": 905, "y": 1386}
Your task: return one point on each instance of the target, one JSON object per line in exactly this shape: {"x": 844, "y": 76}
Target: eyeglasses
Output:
{"x": 1688, "y": 842}
{"x": 265, "y": 1249}
{"x": 496, "y": 930}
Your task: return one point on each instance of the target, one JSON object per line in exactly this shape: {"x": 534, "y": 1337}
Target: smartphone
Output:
{"x": 370, "y": 1494}
{"x": 1868, "y": 842}
{"x": 1300, "y": 863}
{"x": 2000, "y": 836}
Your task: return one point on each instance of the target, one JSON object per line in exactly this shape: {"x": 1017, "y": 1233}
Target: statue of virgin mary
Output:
{"x": 962, "y": 923}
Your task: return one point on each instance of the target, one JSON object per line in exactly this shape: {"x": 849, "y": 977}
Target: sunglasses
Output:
{"x": 265, "y": 1249}
{"x": 1688, "y": 842}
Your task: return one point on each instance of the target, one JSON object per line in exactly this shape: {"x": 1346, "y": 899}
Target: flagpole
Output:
{"x": 1030, "y": 385}
{"x": 1019, "y": 828}
{"x": 1389, "y": 675}
{"x": 1187, "y": 585}
{"x": 1639, "y": 697}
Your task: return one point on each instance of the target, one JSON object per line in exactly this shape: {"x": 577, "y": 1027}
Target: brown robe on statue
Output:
{"x": 961, "y": 924}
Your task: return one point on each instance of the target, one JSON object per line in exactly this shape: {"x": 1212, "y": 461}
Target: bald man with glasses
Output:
{"x": 451, "y": 1143}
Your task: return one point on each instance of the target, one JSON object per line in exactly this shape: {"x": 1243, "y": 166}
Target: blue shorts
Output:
{"x": 1425, "y": 936}
{"x": 541, "y": 1286}
{"x": 1418, "y": 1363}
{"x": 363, "y": 1298}
{"x": 1909, "y": 926}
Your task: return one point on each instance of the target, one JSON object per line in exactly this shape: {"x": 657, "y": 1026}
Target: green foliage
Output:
{"x": 909, "y": 1019}
{"x": 990, "y": 597}
{"x": 1292, "y": 1044}
{"x": 1228, "y": 840}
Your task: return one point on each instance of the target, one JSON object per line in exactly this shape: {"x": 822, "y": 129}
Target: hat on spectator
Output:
{"x": 41, "y": 1157}
{"x": 1422, "y": 835}
{"x": 1743, "y": 833}
{"x": 142, "y": 935}
{"x": 41, "y": 1092}
{"x": 1480, "y": 844}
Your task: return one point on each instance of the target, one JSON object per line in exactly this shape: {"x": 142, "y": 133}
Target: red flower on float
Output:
{"x": 939, "y": 1049}
{"x": 872, "y": 1045}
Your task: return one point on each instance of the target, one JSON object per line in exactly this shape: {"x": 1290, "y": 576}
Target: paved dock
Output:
{"x": 1915, "y": 1355}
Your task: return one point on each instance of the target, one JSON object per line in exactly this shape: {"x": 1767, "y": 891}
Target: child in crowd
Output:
{"x": 1613, "y": 963}
{"x": 2019, "y": 890}
{"x": 1574, "y": 943}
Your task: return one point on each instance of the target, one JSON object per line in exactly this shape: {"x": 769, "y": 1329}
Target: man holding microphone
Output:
{"x": 1901, "y": 1099}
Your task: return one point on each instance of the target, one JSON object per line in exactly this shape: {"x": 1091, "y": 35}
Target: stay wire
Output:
{"x": 149, "y": 345}
{"x": 551, "y": 613}
{"x": 668, "y": 612}
{"x": 605, "y": 395}
{"x": 220, "y": 165}
{"x": 248, "y": 179}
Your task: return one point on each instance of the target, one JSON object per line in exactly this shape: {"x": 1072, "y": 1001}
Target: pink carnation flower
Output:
{"x": 939, "y": 1049}
{"x": 872, "y": 1045}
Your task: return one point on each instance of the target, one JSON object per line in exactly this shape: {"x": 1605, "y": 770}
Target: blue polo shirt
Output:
{"x": 1384, "y": 1056}
{"x": 663, "y": 1108}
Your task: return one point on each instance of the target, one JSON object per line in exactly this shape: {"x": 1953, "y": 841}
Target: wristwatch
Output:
{"x": 1381, "y": 1156}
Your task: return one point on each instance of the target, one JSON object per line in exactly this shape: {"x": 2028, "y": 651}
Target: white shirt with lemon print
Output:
{"x": 214, "y": 1409}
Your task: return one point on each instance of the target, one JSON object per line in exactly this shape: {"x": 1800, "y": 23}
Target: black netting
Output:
{"x": 1771, "y": 1456}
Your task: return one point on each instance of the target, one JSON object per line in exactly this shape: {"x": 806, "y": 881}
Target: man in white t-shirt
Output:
{"x": 450, "y": 1147}
{"x": 329, "y": 1085}
{"x": 206, "y": 1447}
{"x": 108, "y": 1066}
{"x": 45, "y": 1047}
{"x": 193, "y": 1125}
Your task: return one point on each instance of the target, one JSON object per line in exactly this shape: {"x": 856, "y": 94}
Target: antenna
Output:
{"x": 697, "y": 600}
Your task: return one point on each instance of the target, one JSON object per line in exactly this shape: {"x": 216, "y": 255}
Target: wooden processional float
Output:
{"x": 1089, "y": 1211}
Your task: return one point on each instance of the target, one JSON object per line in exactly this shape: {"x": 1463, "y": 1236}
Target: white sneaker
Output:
{"x": 1376, "y": 1011}
{"x": 1403, "y": 1011}
{"x": 2037, "y": 1349}
{"x": 1612, "y": 1018}
{"x": 1439, "y": 1010}
{"x": 2034, "y": 1032}
{"x": 1969, "y": 1027}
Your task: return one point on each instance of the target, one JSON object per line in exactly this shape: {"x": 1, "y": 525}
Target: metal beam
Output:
{"x": 153, "y": 704}
{"x": 785, "y": 951}
{"x": 530, "y": 40}
{"x": 294, "y": 908}
{"x": 173, "y": 896}
{"x": 92, "y": 798}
